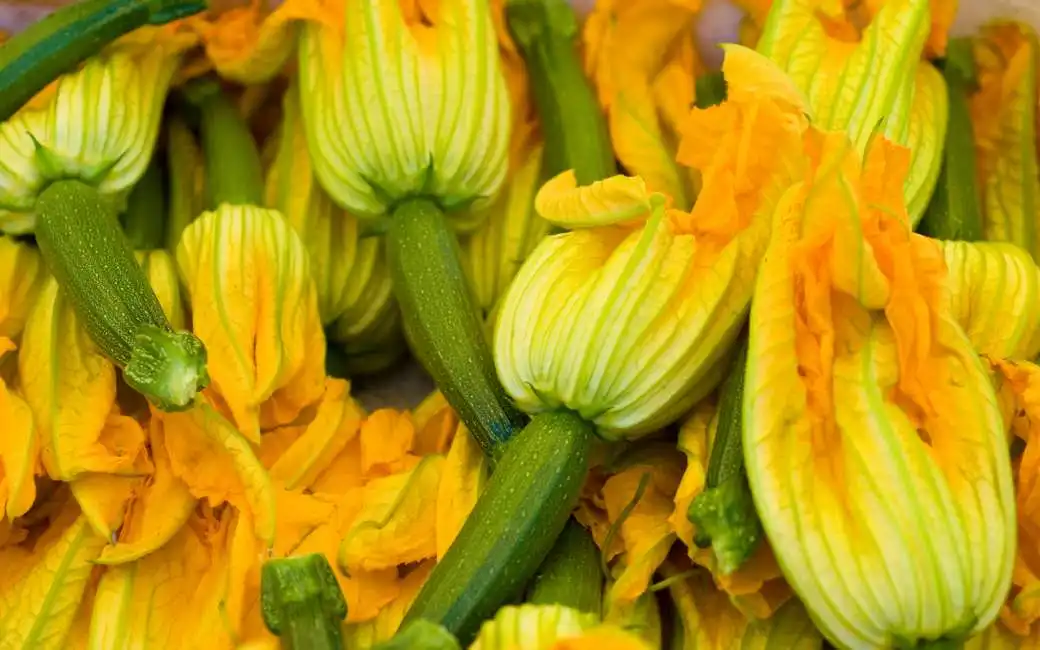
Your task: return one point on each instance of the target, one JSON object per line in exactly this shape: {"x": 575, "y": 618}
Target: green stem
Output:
{"x": 144, "y": 220}
{"x": 574, "y": 127}
{"x": 68, "y": 36}
{"x": 724, "y": 512}
{"x": 234, "y": 173}
{"x": 182, "y": 161}
{"x": 302, "y": 603}
{"x": 570, "y": 575}
{"x": 954, "y": 212}
{"x": 91, "y": 259}
{"x": 513, "y": 526}
{"x": 711, "y": 89}
{"x": 442, "y": 322}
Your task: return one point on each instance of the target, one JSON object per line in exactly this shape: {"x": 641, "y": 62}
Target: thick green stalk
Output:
{"x": 574, "y": 127}
{"x": 724, "y": 512}
{"x": 512, "y": 528}
{"x": 144, "y": 220}
{"x": 234, "y": 173}
{"x": 570, "y": 575}
{"x": 711, "y": 89}
{"x": 954, "y": 212}
{"x": 442, "y": 323}
{"x": 91, "y": 259}
{"x": 302, "y": 603}
{"x": 69, "y": 35}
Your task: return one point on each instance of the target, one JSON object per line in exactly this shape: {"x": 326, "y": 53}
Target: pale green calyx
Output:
{"x": 169, "y": 368}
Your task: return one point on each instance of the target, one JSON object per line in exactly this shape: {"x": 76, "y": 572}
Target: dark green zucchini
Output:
{"x": 571, "y": 574}
{"x": 517, "y": 519}
{"x": 91, "y": 259}
{"x": 442, "y": 323}
{"x": 65, "y": 38}
{"x": 724, "y": 512}
{"x": 144, "y": 220}
{"x": 302, "y": 603}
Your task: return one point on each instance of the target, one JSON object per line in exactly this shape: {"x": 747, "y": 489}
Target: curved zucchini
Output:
{"x": 94, "y": 264}
{"x": 58, "y": 43}
{"x": 517, "y": 519}
{"x": 571, "y": 574}
{"x": 442, "y": 323}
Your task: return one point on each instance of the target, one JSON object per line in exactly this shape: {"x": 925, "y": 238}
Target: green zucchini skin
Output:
{"x": 93, "y": 263}
{"x": 570, "y": 575}
{"x": 954, "y": 212}
{"x": 724, "y": 512}
{"x": 442, "y": 323}
{"x": 512, "y": 528}
{"x": 302, "y": 603}
{"x": 69, "y": 35}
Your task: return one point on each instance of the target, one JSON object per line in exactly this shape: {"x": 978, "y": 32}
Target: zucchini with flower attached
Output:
{"x": 302, "y": 603}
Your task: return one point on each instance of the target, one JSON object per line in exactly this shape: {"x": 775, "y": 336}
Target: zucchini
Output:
{"x": 571, "y": 574}
{"x": 302, "y": 603}
{"x": 573, "y": 126}
{"x": 954, "y": 212}
{"x": 442, "y": 323}
{"x": 69, "y": 35}
{"x": 91, "y": 259}
{"x": 513, "y": 526}
{"x": 724, "y": 512}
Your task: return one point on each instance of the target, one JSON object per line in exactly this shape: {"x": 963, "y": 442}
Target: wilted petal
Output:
{"x": 69, "y": 386}
{"x": 161, "y": 269}
{"x": 387, "y": 437}
{"x": 1004, "y": 122}
{"x": 463, "y": 476}
{"x": 708, "y": 620}
{"x": 19, "y": 449}
{"x": 435, "y": 425}
{"x": 42, "y": 587}
{"x": 929, "y": 519}
{"x": 98, "y": 123}
{"x": 217, "y": 463}
{"x": 397, "y": 523}
{"x": 254, "y": 306}
{"x": 248, "y": 44}
{"x": 386, "y": 623}
{"x": 21, "y": 277}
{"x": 420, "y": 108}
{"x": 694, "y": 443}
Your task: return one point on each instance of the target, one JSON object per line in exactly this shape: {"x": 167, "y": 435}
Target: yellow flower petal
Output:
{"x": 116, "y": 97}
{"x": 335, "y": 424}
{"x": 103, "y": 499}
{"x": 994, "y": 291}
{"x": 629, "y": 45}
{"x": 531, "y": 627}
{"x": 849, "y": 309}
{"x": 999, "y": 637}
{"x": 708, "y": 620}
{"x": 603, "y": 637}
{"x": 254, "y": 306}
{"x": 462, "y": 479}
{"x": 387, "y": 436}
{"x": 642, "y": 616}
{"x": 247, "y": 44}
{"x": 397, "y": 523}
{"x": 42, "y": 588}
{"x": 422, "y": 108}
{"x": 21, "y": 277}
{"x": 385, "y": 624}
{"x": 924, "y": 135}
{"x": 435, "y": 425}
{"x": 694, "y": 443}
{"x": 161, "y": 269}
{"x": 19, "y": 449}
{"x": 217, "y": 463}
{"x": 615, "y": 200}
{"x": 1003, "y": 116}
{"x": 492, "y": 255}
{"x": 69, "y": 386}
{"x": 790, "y": 627}
{"x": 157, "y": 511}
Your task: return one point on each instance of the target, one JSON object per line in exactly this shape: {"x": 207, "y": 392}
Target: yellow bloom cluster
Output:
{"x": 879, "y": 453}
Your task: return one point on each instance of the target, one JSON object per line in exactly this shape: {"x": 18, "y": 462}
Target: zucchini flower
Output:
{"x": 421, "y": 110}
{"x": 1004, "y": 118}
{"x": 550, "y": 627}
{"x": 247, "y": 273}
{"x": 97, "y": 124}
{"x": 850, "y": 308}
{"x": 641, "y": 56}
{"x": 407, "y": 116}
{"x": 494, "y": 252}
{"x": 355, "y": 296}
{"x": 866, "y": 82}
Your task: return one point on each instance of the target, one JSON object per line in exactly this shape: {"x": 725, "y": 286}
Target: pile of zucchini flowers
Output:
{"x": 727, "y": 355}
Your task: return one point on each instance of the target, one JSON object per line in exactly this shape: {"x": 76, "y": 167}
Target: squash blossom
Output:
{"x": 676, "y": 286}
{"x": 862, "y": 79}
{"x": 1004, "y": 121}
{"x": 355, "y": 297}
{"x": 551, "y": 627}
{"x": 642, "y": 57}
{"x": 98, "y": 124}
{"x": 850, "y": 309}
